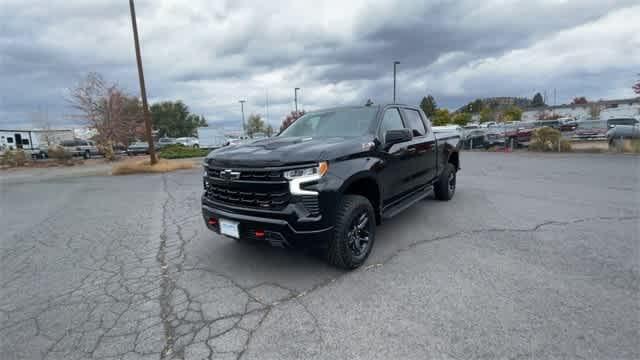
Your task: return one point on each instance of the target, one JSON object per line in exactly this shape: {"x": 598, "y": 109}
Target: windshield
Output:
{"x": 339, "y": 122}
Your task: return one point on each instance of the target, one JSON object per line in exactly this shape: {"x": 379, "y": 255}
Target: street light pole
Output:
{"x": 394, "y": 80}
{"x": 244, "y": 130}
{"x": 143, "y": 91}
{"x": 295, "y": 97}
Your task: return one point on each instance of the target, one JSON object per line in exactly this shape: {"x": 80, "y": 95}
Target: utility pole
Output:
{"x": 394, "y": 80}
{"x": 266, "y": 105}
{"x": 295, "y": 97}
{"x": 554, "y": 97}
{"x": 244, "y": 130}
{"x": 143, "y": 91}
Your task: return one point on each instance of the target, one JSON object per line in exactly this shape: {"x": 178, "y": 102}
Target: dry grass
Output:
{"x": 592, "y": 146}
{"x": 631, "y": 146}
{"x": 144, "y": 166}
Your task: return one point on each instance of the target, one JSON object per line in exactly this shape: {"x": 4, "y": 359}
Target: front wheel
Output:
{"x": 445, "y": 186}
{"x": 86, "y": 154}
{"x": 354, "y": 233}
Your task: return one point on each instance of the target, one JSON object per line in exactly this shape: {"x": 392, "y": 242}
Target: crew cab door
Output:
{"x": 395, "y": 175}
{"x": 423, "y": 147}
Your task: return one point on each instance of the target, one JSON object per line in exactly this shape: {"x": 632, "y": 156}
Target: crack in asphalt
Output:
{"x": 137, "y": 295}
{"x": 166, "y": 284}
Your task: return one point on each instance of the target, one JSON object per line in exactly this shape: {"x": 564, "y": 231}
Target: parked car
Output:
{"x": 188, "y": 142}
{"x": 164, "y": 142}
{"x": 79, "y": 147}
{"x": 238, "y": 140}
{"x": 519, "y": 137}
{"x": 591, "y": 130}
{"x": 621, "y": 132}
{"x": 329, "y": 179}
{"x": 488, "y": 124}
{"x": 495, "y": 136}
{"x": 138, "y": 148}
{"x": 457, "y": 129}
{"x": 475, "y": 139}
{"x": 211, "y": 138}
{"x": 568, "y": 124}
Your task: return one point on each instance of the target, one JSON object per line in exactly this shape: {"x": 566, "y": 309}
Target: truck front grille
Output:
{"x": 256, "y": 189}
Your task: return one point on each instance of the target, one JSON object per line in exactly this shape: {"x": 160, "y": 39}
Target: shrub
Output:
{"x": 14, "y": 158}
{"x": 181, "y": 152}
{"x": 548, "y": 139}
{"x": 62, "y": 157}
{"x": 108, "y": 152}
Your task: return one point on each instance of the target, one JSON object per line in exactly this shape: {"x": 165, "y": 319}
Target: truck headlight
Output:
{"x": 297, "y": 177}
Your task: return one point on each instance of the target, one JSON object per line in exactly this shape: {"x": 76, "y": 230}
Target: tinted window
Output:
{"x": 10, "y": 140}
{"x": 391, "y": 121}
{"x": 25, "y": 141}
{"x": 68, "y": 143}
{"x": 414, "y": 122}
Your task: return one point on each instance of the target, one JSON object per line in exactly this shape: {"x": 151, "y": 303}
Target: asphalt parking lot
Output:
{"x": 537, "y": 256}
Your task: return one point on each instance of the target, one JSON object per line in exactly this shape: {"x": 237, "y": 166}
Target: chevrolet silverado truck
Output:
{"x": 329, "y": 179}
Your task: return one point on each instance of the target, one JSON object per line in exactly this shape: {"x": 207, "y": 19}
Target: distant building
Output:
{"x": 608, "y": 109}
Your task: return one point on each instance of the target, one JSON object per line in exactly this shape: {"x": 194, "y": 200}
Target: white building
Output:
{"x": 624, "y": 108}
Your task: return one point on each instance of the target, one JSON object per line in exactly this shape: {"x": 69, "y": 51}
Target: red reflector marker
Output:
{"x": 259, "y": 233}
{"x": 212, "y": 221}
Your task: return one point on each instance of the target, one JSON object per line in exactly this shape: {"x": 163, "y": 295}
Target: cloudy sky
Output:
{"x": 212, "y": 53}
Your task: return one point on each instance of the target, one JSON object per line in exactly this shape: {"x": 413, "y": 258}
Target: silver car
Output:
{"x": 79, "y": 147}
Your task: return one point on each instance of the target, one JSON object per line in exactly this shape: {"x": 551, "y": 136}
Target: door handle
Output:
{"x": 411, "y": 150}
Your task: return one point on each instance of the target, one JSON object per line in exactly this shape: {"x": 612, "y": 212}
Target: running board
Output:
{"x": 406, "y": 203}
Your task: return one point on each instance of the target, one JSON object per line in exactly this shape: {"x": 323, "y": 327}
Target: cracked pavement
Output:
{"x": 537, "y": 256}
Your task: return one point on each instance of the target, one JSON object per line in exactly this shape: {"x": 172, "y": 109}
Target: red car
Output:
{"x": 521, "y": 136}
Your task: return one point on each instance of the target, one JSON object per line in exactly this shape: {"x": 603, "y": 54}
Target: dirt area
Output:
{"x": 590, "y": 146}
{"x": 42, "y": 170}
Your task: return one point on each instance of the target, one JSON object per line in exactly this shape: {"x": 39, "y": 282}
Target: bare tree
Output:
{"x": 114, "y": 115}
{"x": 88, "y": 98}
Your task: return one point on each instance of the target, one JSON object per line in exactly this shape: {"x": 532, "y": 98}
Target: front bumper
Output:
{"x": 282, "y": 228}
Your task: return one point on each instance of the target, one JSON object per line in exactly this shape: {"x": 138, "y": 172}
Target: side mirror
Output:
{"x": 392, "y": 137}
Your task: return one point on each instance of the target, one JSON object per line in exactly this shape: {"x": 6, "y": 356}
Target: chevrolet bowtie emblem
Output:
{"x": 229, "y": 174}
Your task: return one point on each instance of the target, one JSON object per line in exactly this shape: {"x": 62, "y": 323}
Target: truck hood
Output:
{"x": 277, "y": 151}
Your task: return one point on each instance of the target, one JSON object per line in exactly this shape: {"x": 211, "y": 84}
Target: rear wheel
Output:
{"x": 445, "y": 186}
{"x": 86, "y": 154}
{"x": 354, "y": 233}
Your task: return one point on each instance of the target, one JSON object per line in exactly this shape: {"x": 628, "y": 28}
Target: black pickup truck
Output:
{"x": 329, "y": 179}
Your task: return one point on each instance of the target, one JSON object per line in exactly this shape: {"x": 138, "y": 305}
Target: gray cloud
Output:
{"x": 211, "y": 54}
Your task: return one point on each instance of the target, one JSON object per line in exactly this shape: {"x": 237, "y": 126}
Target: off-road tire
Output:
{"x": 338, "y": 252}
{"x": 442, "y": 188}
